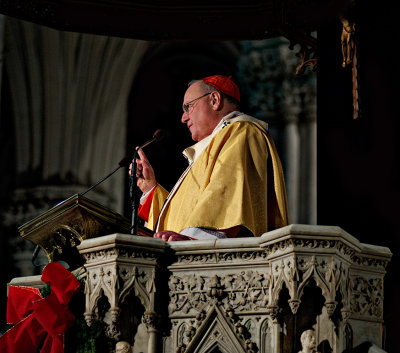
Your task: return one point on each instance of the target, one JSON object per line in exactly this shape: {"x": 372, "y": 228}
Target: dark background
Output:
{"x": 358, "y": 160}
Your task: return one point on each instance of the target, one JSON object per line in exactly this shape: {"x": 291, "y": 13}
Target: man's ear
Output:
{"x": 216, "y": 100}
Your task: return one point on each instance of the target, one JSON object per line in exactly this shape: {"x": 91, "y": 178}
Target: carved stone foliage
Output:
{"x": 243, "y": 291}
{"x": 367, "y": 297}
{"x": 209, "y": 309}
{"x": 284, "y": 246}
{"x": 229, "y": 256}
{"x": 114, "y": 253}
{"x": 377, "y": 264}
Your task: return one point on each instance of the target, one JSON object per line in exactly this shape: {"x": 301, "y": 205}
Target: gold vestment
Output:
{"x": 236, "y": 180}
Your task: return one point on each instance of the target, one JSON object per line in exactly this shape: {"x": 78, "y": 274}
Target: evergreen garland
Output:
{"x": 81, "y": 338}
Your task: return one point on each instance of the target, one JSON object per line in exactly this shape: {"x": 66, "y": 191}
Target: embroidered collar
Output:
{"x": 193, "y": 152}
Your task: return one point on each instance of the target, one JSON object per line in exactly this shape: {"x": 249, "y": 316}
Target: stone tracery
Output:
{"x": 233, "y": 293}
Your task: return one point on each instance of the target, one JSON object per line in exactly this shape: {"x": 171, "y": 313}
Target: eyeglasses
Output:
{"x": 187, "y": 105}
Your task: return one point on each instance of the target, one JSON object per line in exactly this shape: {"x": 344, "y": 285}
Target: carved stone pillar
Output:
{"x": 122, "y": 268}
{"x": 151, "y": 320}
{"x": 346, "y": 272}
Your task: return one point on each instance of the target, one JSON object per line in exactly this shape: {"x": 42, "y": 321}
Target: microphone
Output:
{"x": 133, "y": 188}
{"x": 127, "y": 160}
{"x": 157, "y": 136}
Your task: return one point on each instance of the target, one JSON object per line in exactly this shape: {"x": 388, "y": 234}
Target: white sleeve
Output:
{"x": 203, "y": 233}
{"x": 144, "y": 196}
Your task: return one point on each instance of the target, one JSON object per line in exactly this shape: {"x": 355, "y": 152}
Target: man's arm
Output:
{"x": 198, "y": 234}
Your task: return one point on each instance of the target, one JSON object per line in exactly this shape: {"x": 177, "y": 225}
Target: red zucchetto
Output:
{"x": 223, "y": 84}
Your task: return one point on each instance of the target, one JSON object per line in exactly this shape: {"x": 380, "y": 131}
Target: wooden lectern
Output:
{"x": 59, "y": 230}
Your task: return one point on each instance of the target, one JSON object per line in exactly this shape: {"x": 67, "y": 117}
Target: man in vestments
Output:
{"x": 234, "y": 184}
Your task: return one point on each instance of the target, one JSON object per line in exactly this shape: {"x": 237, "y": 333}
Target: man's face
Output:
{"x": 309, "y": 341}
{"x": 200, "y": 119}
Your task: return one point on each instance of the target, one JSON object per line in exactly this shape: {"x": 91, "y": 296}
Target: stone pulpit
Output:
{"x": 240, "y": 295}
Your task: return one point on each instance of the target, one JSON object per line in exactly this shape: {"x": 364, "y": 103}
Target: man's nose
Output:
{"x": 185, "y": 118}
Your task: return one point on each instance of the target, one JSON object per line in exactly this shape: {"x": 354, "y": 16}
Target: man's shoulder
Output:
{"x": 247, "y": 121}
{"x": 244, "y": 124}
{"x": 240, "y": 134}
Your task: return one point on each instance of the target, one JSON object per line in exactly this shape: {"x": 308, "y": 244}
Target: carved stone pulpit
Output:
{"x": 243, "y": 295}
{"x": 240, "y": 295}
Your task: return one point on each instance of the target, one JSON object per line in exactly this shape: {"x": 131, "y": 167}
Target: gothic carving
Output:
{"x": 265, "y": 335}
{"x": 242, "y": 256}
{"x": 123, "y": 347}
{"x": 367, "y": 297}
{"x": 234, "y": 305}
{"x": 308, "y": 342}
{"x": 294, "y": 243}
{"x": 100, "y": 255}
{"x": 201, "y": 258}
{"x": 372, "y": 262}
{"x": 219, "y": 330}
{"x": 231, "y": 256}
{"x": 100, "y": 282}
{"x": 116, "y": 283}
{"x": 296, "y": 272}
{"x": 215, "y": 290}
{"x": 245, "y": 291}
{"x": 151, "y": 320}
{"x": 109, "y": 254}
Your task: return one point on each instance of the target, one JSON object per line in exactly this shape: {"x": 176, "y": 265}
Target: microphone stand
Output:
{"x": 134, "y": 190}
{"x": 134, "y": 193}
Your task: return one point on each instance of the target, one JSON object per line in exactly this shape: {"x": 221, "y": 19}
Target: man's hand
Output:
{"x": 168, "y": 235}
{"x": 146, "y": 179}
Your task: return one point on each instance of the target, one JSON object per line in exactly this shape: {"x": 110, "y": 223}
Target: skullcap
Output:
{"x": 223, "y": 84}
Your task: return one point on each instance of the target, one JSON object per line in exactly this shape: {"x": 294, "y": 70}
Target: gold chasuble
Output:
{"x": 237, "y": 179}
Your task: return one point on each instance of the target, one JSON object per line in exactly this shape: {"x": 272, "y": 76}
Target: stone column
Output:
{"x": 121, "y": 267}
{"x": 151, "y": 322}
